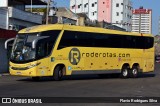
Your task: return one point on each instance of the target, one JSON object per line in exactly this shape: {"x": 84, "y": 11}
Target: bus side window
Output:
{"x": 41, "y": 50}
{"x": 149, "y": 42}
{"x": 68, "y": 39}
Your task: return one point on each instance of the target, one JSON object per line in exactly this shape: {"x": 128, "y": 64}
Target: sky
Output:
{"x": 148, "y": 4}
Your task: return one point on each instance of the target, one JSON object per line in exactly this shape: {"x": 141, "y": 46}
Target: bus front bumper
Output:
{"x": 23, "y": 69}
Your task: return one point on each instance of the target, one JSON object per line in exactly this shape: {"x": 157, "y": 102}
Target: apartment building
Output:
{"x": 142, "y": 20}
{"x": 122, "y": 13}
{"x": 117, "y": 12}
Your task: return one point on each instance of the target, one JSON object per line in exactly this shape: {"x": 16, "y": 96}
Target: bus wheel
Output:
{"x": 134, "y": 72}
{"x": 58, "y": 73}
{"x": 125, "y": 72}
{"x": 36, "y": 78}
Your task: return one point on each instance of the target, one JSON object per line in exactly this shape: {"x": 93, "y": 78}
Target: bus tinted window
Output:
{"x": 87, "y": 39}
{"x": 45, "y": 46}
{"x": 149, "y": 42}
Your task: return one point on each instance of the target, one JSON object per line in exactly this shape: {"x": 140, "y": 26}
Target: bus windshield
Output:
{"x": 22, "y": 48}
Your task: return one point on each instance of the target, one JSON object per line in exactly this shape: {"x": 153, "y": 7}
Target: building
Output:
{"x": 13, "y": 17}
{"x": 99, "y": 10}
{"x": 65, "y": 15}
{"x": 16, "y": 16}
{"x": 94, "y": 9}
{"x": 3, "y": 17}
{"x": 142, "y": 20}
{"x": 122, "y": 14}
{"x": 4, "y": 54}
{"x": 117, "y": 12}
{"x": 61, "y": 15}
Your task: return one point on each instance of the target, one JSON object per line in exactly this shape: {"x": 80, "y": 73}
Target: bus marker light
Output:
{"x": 69, "y": 67}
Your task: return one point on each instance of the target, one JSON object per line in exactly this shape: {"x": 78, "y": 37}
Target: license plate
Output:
{"x": 18, "y": 73}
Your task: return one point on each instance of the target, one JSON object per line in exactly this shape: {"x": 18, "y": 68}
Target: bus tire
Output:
{"x": 36, "y": 78}
{"x": 125, "y": 72}
{"x": 58, "y": 73}
{"x": 134, "y": 72}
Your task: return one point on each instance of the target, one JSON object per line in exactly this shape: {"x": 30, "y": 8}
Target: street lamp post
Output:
{"x": 48, "y": 5}
{"x": 31, "y": 6}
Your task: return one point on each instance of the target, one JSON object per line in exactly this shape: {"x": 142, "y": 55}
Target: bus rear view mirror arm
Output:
{"x": 6, "y": 42}
{"x": 36, "y": 40}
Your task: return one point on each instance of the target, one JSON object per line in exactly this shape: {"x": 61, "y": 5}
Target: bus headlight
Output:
{"x": 33, "y": 65}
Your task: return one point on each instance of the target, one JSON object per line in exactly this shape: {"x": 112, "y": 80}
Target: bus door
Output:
{"x": 43, "y": 51}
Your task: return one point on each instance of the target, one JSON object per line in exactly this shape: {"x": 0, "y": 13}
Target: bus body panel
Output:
{"x": 77, "y": 59}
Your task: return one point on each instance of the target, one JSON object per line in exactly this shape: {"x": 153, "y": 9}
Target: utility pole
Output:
{"x": 139, "y": 22}
{"x": 47, "y": 14}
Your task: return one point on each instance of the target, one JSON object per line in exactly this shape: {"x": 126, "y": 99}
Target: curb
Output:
{"x": 4, "y": 74}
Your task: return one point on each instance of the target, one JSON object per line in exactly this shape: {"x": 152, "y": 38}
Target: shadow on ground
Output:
{"x": 87, "y": 77}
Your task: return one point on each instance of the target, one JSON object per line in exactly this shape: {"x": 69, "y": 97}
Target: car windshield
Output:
{"x": 22, "y": 48}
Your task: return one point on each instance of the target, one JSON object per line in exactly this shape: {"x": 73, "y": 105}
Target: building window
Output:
{"x": 85, "y": 5}
{"x": 125, "y": 15}
{"x": 73, "y": 6}
{"x": 95, "y": 3}
{"x": 79, "y": 6}
{"x": 117, "y": 5}
{"x": 103, "y": 2}
{"x": 121, "y": 3}
{"x": 117, "y": 13}
{"x": 121, "y": 12}
{"x": 103, "y": 11}
{"x": 93, "y": 13}
{"x": 92, "y": 4}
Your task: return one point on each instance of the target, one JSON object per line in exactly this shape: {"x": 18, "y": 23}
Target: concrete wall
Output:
{"x": 3, "y": 18}
{"x": 3, "y": 57}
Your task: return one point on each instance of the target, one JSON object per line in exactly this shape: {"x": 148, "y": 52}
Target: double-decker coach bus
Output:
{"x": 59, "y": 50}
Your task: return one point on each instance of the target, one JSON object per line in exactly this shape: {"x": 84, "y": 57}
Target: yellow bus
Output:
{"x": 58, "y": 50}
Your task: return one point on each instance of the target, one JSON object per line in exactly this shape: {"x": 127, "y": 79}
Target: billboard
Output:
{"x": 3, "y": 3}
{"x": 141, "y": 11}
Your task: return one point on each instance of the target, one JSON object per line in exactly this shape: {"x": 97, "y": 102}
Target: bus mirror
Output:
{"x": 6, "y": 42}
{"x": 36, "y": 40}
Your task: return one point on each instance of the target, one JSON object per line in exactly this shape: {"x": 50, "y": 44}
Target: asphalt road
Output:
{"x": 148, "y": 85}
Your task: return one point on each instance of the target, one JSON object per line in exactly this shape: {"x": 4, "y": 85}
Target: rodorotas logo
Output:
{"x": 74, "y": 56}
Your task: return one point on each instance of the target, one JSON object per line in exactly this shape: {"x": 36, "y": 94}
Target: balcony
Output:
{"x": 25, "y": 16}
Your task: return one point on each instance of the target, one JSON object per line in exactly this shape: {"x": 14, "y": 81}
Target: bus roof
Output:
{"x": 41, "y": 28}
